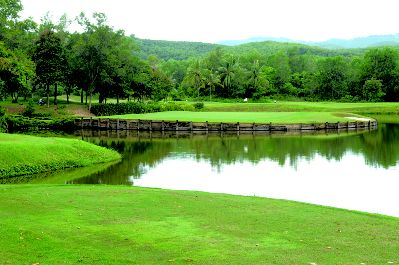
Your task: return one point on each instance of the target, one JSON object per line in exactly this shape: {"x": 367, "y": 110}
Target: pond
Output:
{"x": 351, "y": 170}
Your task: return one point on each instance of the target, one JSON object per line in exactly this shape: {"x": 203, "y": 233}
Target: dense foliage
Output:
{"x": 3, "y": 122}
{"x": 138, "y": 107}
{"x": 177, "y": 50}
{"x": 100, "y": 61}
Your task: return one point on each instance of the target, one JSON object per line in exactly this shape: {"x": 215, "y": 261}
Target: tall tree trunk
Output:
{"x": 55, "y": 93}
{"x": 48, "y": 95}
{"x": 81, "y": 95}
{"x": 91, "y": 95}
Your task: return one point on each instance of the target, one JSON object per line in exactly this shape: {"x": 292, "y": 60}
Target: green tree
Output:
{"x": 228, "y": 73}
{"x": 372, "y": 90}
{"x": 211, "y": 80}
{"x": 16, "y": 71}
{"x": 382, "y": 64}
{"x": 332, "y": 78}
{"x": 195, "y": 76}
{"x": 49, "y": 56}
{"x": 280, "y": 63}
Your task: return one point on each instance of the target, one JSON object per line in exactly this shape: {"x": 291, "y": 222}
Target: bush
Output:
{"x": 199, "y": 105}
{"x": 29, "y": 109}
{"x": 17, "y": 122}
{"x": 138, "y": 108}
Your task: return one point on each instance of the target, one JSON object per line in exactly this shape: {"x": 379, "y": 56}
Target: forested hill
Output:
{"x": 183, "y": 50}
{"x": 268, "y": 48}
{"x": 178, "y": 50}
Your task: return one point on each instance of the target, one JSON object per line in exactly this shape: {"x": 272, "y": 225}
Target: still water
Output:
{"x": 351, "y": 170}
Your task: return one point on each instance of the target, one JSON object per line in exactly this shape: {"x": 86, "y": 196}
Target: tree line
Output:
{"x": 47, "y": 60}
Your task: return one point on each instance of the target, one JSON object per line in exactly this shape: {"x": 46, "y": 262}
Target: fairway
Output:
{"x": 128, "y": 225}
{"x": 302, "y": 106}
{"x": 243, "y": 117}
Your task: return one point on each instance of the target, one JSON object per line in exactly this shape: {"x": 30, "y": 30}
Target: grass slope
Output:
{"x": 243, "y": 117}
{"x": 24, "y": 154}
{"x": 129, "y": 225}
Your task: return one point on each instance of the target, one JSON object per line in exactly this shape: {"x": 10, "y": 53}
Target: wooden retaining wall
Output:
{"x": 148, "y": 125}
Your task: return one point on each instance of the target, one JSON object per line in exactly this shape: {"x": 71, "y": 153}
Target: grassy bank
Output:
{"x": 128, "y": 225}
{"x": 23, "y": 154}
{"x": 243, "y": 117}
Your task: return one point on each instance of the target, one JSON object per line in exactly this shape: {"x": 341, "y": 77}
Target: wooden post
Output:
{"x": 117, "y": 124}
{"x": 150, "y": 125}
{"x": 81, "y": 123}
{"x": 163, "y": 125}
{"x": 138, "y": 125}
{"x": 270, "y": 127}
{"x": 191, "y": 125}
{"x": 253, "y": 126}
{"x": 238, "y": 126}
{"x": 207, "y": 129}
{"x": 221, "y": 126}
{"x": 177, "y": 125}
{"x": 326, "y": 126}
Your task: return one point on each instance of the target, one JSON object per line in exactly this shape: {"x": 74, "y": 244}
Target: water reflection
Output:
{"x": 378, "y": 148}
{"x": 353, "y": 170}
{"x": 346, "y": 169}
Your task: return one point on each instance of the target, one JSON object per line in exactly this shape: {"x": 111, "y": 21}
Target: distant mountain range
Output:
{"x": 361, "y": 42}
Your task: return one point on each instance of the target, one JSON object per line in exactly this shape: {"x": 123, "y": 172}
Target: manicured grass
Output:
{"x": 243, "y": 117}
{"x": 288, "y": 106}
{"x": 50, "y": 224}
{"x": 385, "y": 118}
{"x": 24, "y": 154}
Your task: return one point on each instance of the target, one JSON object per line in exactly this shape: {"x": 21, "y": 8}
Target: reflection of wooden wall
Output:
{"x": 148, "y": 125}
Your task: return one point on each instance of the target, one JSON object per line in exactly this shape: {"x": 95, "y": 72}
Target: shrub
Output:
{"x": 138, "y": 108}
{"x": 29, "y": 109}
{"x": 199, "y": 105}
{"x": 17, "y": 122}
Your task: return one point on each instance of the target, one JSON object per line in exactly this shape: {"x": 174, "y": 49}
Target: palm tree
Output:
{"x": 227, "y": 73}
{"x": 195, "y": 75}
{"x": 211, "y": 79}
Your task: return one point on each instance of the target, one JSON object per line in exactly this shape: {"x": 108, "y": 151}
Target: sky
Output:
{"x": 217, "y": 20}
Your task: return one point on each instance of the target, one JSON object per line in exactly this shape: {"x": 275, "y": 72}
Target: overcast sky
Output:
{"x": 216, "y": 20}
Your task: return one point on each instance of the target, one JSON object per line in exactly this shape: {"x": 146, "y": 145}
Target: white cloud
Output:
{"x": 215, "y": 20}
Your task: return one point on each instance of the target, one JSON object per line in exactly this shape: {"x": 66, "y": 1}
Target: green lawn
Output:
{"x": 50, "y": 224}
{"x": 24, "y": 154}
{"x": 288, "y": 106}
{"x": 243, "y": 117}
